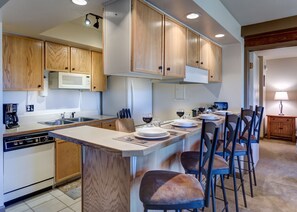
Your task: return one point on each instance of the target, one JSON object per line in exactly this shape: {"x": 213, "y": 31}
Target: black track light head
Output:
{"x": 87, "y": 21}
{"x": 96, "y": 25}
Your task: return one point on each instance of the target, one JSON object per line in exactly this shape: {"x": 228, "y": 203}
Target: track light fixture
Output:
{"x": 88, "y": 22}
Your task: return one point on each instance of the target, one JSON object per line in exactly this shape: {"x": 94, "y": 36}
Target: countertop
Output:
{"x": 33, "y": 127}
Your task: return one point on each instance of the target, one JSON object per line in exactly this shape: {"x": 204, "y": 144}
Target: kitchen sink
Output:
{"x": 57, "y": 122}
{"x": 80, "y": 119}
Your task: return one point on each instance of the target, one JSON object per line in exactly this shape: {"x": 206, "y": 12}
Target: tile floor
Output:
{"x": 51, "y": 201}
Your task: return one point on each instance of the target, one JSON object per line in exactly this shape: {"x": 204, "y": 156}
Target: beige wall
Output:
{"x": 1, "y": 120}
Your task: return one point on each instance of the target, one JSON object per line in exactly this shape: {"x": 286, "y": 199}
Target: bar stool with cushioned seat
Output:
{"x": 226, "y": 149}
{"x": 246, "y": 127}
{"x": 255, "y": 136}
{"x": 190, "y": 161}
{"x": 168, "y": 190}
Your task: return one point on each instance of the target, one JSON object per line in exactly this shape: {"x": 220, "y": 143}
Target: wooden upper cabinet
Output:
{"x": 57, "y": 57}
{"x": 98, "y": 77}
{"x": 175, "y": 49}
{"x": 193, "y": 49}
{"x": 215, "y": 63}
{"x": 204, "y": 52}
{"x": 147, "y": 39}
{"x": 80, "y": 61}
{"x": 22, "y": 63}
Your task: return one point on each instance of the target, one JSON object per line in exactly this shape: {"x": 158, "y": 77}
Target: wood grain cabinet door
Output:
{"x": 68, "y": 160}
{"x": 204, "y": 52}
{"x": 215, "y": 63}
{"x": 147, "y": 39}
{"x": 98, "y": 77}
{"x": 22, "y": 63}
{"x": 193, "y": 49}
{"x": 57, "y": 57}
{"x": 175, "y": 49}
{"x": 81, "y": 61}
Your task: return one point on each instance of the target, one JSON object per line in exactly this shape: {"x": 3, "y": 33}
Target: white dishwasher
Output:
{"x": 28, "y": 164}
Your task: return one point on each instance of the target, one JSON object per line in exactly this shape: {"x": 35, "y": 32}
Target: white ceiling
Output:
{"x": 255, "y": 11}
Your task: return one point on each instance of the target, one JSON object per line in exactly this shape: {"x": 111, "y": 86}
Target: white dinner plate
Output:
{"x": 151, "y": 131}
{"x": 209, "y": 117}
{"x": 152, "y": 137}
{"x": 184, "y": 123}
{"x": 222, "y": 112}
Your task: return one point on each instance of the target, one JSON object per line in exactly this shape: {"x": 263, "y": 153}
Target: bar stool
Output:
{"x": 246, "y": 127}
{"x": 168, "y": 190}
{"x": 190, "y": 161}
{"x": 226, "y": 149}
{"x": 255, "y": 136}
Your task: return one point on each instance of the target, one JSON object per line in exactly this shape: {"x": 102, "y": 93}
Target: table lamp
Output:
{"x": 281, "y": 95}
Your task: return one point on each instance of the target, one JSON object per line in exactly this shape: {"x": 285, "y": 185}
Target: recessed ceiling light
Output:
{"x": 219, "y": 35}
{"x": 80, "y": 2}
{"x": 192, "y": 16}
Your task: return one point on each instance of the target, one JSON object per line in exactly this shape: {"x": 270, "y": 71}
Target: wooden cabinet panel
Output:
{"x": 98, "y": 77}
{"x": 147, "y": 40}
{"x": 175, "y": 49}
{"x": 193, "y": 49}
{"x": 204, "y": 52}
{"x": 80, "y": 61}
{"x": 57, "y": 57}
{"x": 281, "y": 127}
{"x": 108, "y": 125}
{"x": 22, "y": 63}
{"x": 215, "y": 63}
{"x": 68, "y": 160}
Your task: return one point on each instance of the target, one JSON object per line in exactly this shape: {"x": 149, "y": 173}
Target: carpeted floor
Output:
{"x": 276, "y": 172}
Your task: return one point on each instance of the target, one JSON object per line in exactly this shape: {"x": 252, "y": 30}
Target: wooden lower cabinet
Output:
{"x": 68, "y": 160}
{"x": 282, "y": 127}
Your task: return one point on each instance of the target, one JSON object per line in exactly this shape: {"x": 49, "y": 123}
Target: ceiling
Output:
{"x": 248, "y": 12}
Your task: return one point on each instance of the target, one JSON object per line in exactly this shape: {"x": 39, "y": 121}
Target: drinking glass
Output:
{"x": 147, "y": 118}
{"x": 180, "y": 113}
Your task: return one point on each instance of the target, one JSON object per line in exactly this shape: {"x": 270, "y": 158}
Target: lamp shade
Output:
{"x": 281, "y": 95}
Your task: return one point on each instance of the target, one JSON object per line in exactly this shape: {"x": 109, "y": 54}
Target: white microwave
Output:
{"x": 63, "y": 80}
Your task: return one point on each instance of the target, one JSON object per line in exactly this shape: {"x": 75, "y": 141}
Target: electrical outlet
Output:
{"x": 29, "y": 108}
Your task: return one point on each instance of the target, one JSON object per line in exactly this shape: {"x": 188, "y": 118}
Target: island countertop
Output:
{"x": 106, "y": 139}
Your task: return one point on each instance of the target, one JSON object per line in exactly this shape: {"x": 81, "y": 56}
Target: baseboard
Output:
{"x": 2, "y": 208}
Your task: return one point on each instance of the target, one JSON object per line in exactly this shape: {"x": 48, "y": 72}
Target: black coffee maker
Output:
{"x": 10, "y": 117}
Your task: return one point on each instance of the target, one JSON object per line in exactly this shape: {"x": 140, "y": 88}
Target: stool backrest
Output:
{"x": 246, "y": 126}
{"x": 259, "y": 110}
{"x": 231, "y": 128}
{"x": 209, "y": 138}
{"x": 125, "y": 125}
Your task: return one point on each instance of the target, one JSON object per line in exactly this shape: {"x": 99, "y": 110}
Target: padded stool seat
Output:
{"x": 190, "y": 162}
{"x": 159, "y": 187}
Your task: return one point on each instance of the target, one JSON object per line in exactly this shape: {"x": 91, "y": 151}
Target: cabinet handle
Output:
{"x": 94, "y": 87}
{"x": 73, "y": 69}
{"x": 211, "y": 76}
{"x": 168, "y": 69}
{"x": 66, "y": 68}
{"x": 201, "y": 63}
{"x": 160, "y": 68}
{"x": 280, "y": 128}
{"x": 197, "y": 61}
{"x": 39, "y": 86}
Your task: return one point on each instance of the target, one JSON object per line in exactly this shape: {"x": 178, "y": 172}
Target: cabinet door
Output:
{"x": 57, "y": 57}
{"x": 98, "y": 77}
{"x": 80, "y": 61}
{"x": 22, "y": 63}
{"x": 204, "y": 51}
{"x": 215, "y": 63}
{"x": 175, "y": 49}
{"x": 147, "y": 39}
{"x": 193, "y": 49}
{"x": 68, "y": 160}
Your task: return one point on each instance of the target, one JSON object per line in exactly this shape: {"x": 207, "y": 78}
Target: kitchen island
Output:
{"x": 112, "y": 167}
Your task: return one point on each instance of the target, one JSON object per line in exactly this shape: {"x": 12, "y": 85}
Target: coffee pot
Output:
{"x": 10, "y": 117}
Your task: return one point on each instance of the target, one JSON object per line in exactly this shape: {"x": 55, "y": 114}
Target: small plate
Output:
{"x": 222, "y": 112}
{"x": 151, "y": 131}
{"x": 152, "y": 137}
{"x": 184, "y": 123}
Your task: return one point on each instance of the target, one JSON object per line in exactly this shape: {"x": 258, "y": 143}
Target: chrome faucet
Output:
{"x": 72, "y": 115}
{"x": 62, "y": 115}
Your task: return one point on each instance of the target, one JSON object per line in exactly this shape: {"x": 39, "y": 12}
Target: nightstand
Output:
{"x": 282, "y": 127}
